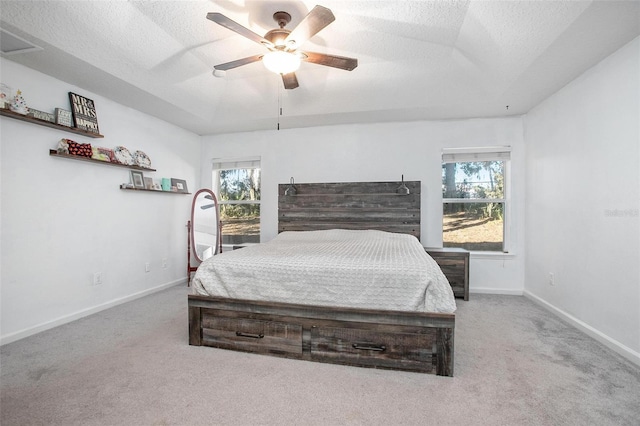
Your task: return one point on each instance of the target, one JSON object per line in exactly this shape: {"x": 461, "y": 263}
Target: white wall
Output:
{"x": 583, "y": 201}
{"x": 383, "y": 152}
{"x": 63, "y": 220}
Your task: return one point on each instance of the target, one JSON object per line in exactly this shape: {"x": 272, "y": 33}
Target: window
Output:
{"x": 237, "y": 184}
{"x": 474, "y": 209}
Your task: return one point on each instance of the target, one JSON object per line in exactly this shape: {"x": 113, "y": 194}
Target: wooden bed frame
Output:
{"x": 411, "y": 341}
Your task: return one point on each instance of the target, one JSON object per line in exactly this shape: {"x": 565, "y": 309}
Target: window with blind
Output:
{"x": 474, "y": 201}
{"x": 237, "y": 184}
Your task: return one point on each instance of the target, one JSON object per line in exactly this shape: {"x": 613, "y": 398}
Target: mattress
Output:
{"x": 365, "y": 269}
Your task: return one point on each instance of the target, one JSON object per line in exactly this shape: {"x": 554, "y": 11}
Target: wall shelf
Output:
{"x": 8, "y": 113}
{"x": 124, "y": 188}
{"x": 54, "y": 153}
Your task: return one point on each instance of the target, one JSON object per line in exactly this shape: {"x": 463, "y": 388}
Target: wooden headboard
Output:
{"x": 350, "y": 205}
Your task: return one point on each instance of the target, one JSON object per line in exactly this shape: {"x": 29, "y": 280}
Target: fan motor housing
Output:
{"x": 282, "y": 18}
{"x": 277, "y": 37}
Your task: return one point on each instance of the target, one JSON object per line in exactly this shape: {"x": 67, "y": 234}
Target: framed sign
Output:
{"x": 64, "y": 117}
{"x": 84, "y": 113}
{"x": 41, "y": 115}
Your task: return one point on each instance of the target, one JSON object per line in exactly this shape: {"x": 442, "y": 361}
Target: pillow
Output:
{"x": 80, "y": 149}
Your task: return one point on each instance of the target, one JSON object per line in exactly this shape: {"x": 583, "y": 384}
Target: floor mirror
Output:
{"x": 203, "y": 236}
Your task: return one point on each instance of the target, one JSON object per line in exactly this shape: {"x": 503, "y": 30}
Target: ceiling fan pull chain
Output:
{"x": 279, "y": 105}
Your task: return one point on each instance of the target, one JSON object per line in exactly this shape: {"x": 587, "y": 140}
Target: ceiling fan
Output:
{"x": 284, "y": 57}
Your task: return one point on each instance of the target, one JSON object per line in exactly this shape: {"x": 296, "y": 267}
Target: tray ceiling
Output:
{"x": 417, "y": 60}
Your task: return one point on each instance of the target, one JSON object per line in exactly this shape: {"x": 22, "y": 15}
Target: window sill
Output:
{"x": 491, "y": 255}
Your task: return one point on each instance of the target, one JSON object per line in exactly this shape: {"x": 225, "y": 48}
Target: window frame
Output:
{"x": 481, "y": 154}
{"x": 220, "y": 164}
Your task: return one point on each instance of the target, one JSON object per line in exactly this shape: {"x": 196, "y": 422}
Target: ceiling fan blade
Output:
{"x": 238, "y": 63}
{"x": 334, "y": 61}
{"x": 220, "y": 19}
{"x": 290, "y": 80}
{"x": 317, "y": 19}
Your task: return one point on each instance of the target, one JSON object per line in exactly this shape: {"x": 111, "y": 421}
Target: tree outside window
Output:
{"x": 238, "y": 192}
{"x": 474, "y": 204}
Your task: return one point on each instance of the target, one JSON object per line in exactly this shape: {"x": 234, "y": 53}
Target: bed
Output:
{"x": 382, "y": 302}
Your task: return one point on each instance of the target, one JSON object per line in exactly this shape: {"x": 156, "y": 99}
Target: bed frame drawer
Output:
{"x": 383, "y": 349}
{"x": 414, "y": 341}
{"x": 252, "y": 335}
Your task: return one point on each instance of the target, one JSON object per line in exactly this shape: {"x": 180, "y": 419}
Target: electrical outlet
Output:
{"x": 97, "y": 278}
{"x": 147, "y": 267}
{"x": 552, "y": 279}
{"x": 164, "y": 262}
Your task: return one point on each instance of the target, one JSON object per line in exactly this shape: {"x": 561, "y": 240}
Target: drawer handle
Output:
{"x": 379, "y": 348}
{"x": 251, "y": 335}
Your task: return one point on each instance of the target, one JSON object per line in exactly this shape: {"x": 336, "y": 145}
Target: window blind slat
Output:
{"x": 464, "y": 155}
{"x": 236, "y": 163}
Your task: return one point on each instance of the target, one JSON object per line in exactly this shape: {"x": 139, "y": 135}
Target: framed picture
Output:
{"x": 137, "y": 179}
{"x": 148, "y": 183}
{"x": 107, "y": 153}
{"x": 181, "y": 185}
{"x": 84, "y": 113}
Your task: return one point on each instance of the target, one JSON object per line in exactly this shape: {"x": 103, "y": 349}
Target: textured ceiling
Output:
{"x": 417, "y": 60}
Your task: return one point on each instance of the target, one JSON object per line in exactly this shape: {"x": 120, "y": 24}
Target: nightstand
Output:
{"x": 454, "y": 263}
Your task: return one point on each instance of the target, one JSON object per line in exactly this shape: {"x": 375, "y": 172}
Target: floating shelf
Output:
{"x": 8, "y": 113}
{"x": 55, "y": 153}
{"x": 153, "y": 190}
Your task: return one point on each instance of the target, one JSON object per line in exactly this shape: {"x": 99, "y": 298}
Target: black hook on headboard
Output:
{"x": 402, "y": 189}
{"x": 291, "y": 189}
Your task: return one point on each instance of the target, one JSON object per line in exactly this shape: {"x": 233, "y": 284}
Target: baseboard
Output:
{"x": 503, "y": 291}
{"x": 612, "y": 344}
{"x": 84, "y": 313}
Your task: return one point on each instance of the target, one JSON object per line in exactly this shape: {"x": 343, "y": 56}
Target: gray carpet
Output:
{"x": 515, "y": 364}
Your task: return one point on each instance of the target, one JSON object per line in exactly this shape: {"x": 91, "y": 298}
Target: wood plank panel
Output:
{"x": 350, "y": 205}
{"x": 322, "y": 315}
{"x": 346, "y": 214}
{"x": 350, "y": 201}
{"x": 195, "y": 326}
{"x": 444, "y": 349}
{"x": 365, "y": 348}
{"x": 252, "y": 336}
{"x": 400, "y": 229}
{"x": 351, "y": 187}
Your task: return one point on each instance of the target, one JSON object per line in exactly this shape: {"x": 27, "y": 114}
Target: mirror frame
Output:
{"x": 217, "y": 222}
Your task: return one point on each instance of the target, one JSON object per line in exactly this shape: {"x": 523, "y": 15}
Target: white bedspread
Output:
{"x": 359, "y": 269}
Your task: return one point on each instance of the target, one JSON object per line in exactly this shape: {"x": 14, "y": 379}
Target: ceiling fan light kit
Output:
{"x": 281, "y": 62}
{"x": 283, "y": 58}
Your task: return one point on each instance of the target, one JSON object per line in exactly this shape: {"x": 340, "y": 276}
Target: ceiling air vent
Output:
{"x": 11, "y": 44}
